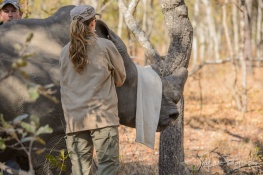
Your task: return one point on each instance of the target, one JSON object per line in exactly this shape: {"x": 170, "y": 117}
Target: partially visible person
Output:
{"x": 90, "y": 68}
{"x": 9, "y": 10}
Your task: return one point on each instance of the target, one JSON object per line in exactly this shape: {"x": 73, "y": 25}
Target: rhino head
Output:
{"x": 172, "y": 85}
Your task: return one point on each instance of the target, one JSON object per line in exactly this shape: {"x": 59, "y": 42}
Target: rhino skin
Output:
{"x": 50, "y": 35}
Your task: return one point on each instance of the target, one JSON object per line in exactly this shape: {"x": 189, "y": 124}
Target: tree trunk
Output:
{"x": 120, "y": 23}
{"x": 202, "y": 33}
{"x": 171, "y": 156}
{"x": 214, "y": 45}
{"x": 259, "y": 31}
{"x": 232, "y": 57}
{"x": 195, "y": 44}
{"x": 243, "y": 54}
{"x": 235, "y": 28}
{"x": 248, "y": 28}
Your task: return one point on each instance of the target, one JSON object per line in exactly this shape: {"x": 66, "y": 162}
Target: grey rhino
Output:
{"x": 50, "y": 35}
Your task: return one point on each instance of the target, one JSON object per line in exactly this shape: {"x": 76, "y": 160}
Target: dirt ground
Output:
{"x": 218, "y": 139}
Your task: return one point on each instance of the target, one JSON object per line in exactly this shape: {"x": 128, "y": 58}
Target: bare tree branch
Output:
{"x": 133, "y": 6}
{"x": 105, "y": 6}
{"x": 257, "y": 165}
{"x": 212, "y": 62}
{"x": 151, "y": 53}
{"x": 206, "y": 62}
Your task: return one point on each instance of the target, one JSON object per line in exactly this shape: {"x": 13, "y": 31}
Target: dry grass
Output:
{"x": 137, "y": 159}
{"x": 216, "y": 134}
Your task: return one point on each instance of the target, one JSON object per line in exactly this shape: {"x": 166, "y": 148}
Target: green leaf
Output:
{"x": 35, "y": 119}
{"x": 44, "y": 130}
{"x": 40, "y": 151}
{"x": 24, "y": 134}
{"x": 19, "y": 118}
{"x": 17, "y": 47}
{"x": 27, "y": 139}
{"x": 33, "y": 93}
{"x": 4, "y": 123}
{"x": 11, "y": 132}
{"x": 51, "y": 159}
{"x": 49, "y": 86}
{"x": 62, "y": 154}
{"x": 2, "y": 144}
{"x": 29, "y": 37}
{"x": 24, "y": 57}
{"x": 40, "y": 140}
{"x": 14, "y": 66}
{"x": 62, "y": 166}
{"x": 20, "y": 131}
{"x": 31, "y": 128}
{"x": 21, "y": 63}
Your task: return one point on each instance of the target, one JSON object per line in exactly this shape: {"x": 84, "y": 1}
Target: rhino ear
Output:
{"x": 102, "y": 29}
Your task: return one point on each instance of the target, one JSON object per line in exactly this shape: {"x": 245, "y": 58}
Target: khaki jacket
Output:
{"x": 89, "y": 99}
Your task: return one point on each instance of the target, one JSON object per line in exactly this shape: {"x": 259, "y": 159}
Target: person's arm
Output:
{"x": 118, "y": 71}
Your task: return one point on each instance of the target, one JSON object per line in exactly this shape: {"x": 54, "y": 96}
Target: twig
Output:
{"x": 244, "y": 166}
{"x": 31, "y": 168}
{"x": 220, "y": 61}
{"x": 200, "y": 66}
{"x": 200, "y": 92}
{"x": 104, "y": 6}
{"x": 202, "y": 163}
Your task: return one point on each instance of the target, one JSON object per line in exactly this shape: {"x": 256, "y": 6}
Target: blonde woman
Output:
{"x": 91, "y": 68}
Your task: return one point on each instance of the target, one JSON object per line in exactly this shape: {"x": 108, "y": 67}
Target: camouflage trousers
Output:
{"x": 105, "y": 141}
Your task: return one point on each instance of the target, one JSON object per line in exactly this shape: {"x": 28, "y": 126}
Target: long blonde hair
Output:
{"x": 80, "y": 37}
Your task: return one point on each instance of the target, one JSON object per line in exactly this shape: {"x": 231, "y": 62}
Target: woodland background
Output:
{"x": 223, "y": 94}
